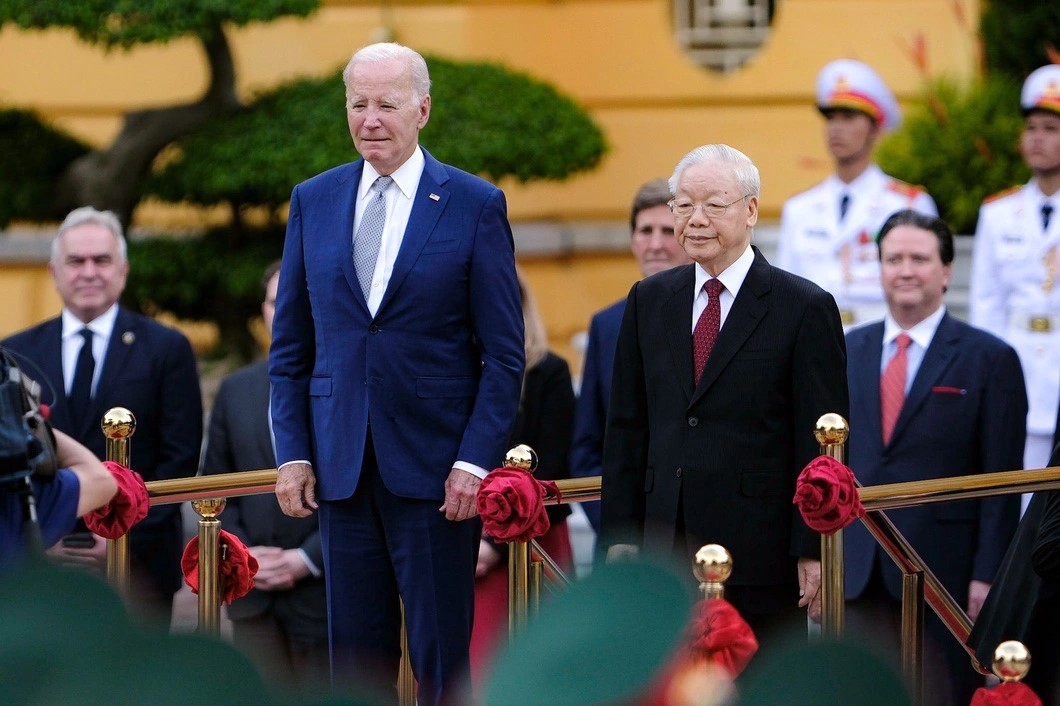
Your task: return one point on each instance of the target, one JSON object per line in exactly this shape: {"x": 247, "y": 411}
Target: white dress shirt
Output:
{"x": 921, "y": 335}
{"x": 732, "y": 277}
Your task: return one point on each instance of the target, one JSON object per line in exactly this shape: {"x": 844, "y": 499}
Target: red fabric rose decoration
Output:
{"x": 827, "y": 495}
{"x": 511, "y": 504}
{"x": 719, "y": 634}
{"x": 237, "y": 567}
{"x": 128, "y": 506}
{"x": 1011, "y": 693}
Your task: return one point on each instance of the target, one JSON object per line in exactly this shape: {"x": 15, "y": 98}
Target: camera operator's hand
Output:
{"x": 89, "y": 557}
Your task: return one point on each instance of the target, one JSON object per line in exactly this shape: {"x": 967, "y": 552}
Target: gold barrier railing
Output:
{"x": 920, "y": 585}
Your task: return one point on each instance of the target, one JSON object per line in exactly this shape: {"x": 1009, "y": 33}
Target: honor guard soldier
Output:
{"x": 1014, "y": 288}
{"x": 828, "y": 233}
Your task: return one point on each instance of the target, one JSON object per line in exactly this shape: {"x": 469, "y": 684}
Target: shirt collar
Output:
{"x": 862, "y": 184}
{"x": 922, "y": 333}
{"x": 101, "y": 326}
{"x": 732, "y": 276}
{"x": 407, "y": 176}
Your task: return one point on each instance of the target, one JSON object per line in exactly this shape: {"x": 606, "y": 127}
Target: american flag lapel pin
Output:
{"x": 435, "y": 197}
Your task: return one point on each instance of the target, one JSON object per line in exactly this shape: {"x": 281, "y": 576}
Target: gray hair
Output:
{"x": 743, "y": 169}
{"x": 385, "y": 51}
{"x": 87, "y": 214}
{"x": 652, "y": 193}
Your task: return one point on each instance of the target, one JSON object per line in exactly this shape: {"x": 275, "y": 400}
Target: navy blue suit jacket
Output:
{"x": 965, "y": 413}
{"x": 590, "y": 410}
{"x": 150, "y": 370}
{"x": 438, "y": 368}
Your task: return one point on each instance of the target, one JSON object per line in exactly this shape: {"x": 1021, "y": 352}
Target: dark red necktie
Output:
{"x": 892, "y": 387}
{"x": 706, "y": 332}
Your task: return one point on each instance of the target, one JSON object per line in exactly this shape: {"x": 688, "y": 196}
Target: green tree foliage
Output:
{"x": 215, "y": 277}
{"x": 961, "y": 144}
{"x": 123, "y": 23}
{"x": 34, "y": 155}
{"x": 1018, "y": 35}
{"x": 484, "y": 119}
{"x": 111, "y": 177}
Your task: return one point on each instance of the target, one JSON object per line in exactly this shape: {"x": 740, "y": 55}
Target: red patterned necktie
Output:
{"x": 892, "y": 387}
{"x": 706, "y": 332}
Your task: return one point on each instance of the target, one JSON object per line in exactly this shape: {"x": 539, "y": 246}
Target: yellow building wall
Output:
{"x": 617, "y": 58}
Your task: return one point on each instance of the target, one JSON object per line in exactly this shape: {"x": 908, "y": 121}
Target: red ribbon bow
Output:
{"x": 827, "y": 495}
{"x": 1012, "y": 693}
{"x": 511, "y": 504}
{"x": 128, "y": 506}
{"x": 237, "y": 566}
{"x": 719, "y": 634}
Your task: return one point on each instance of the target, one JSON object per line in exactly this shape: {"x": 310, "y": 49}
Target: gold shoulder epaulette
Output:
{"x": 907, "y": 190}
{"x": 1002, "y": 194}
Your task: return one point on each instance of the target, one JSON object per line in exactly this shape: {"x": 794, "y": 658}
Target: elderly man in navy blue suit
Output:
{"x": 98, "y": 355}
{"x": 396, "y": 363}
{"x": 656, "y": 249}
{"x": 930, "y": 397}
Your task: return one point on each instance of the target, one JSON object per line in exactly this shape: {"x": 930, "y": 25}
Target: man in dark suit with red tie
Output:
{"x": 716, "y": 396}
{"x": 931, "y": 397}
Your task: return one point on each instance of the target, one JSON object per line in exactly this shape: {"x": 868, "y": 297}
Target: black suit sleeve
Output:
{"x": 1046, "y": 556}
{"x": 819, "y": 386}
{"x": 625, "y": 456}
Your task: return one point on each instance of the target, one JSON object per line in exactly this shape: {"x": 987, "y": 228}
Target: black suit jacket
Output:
{"x": 149, "y": 369}
{"x": 730, "y": 448}
{"x": 239, "y": 440}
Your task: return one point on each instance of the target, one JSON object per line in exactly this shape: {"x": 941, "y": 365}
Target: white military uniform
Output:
{"x": 1015, "y": 287}
{"x": 840, "y": 255}
{"x": 817, "y": 240}
{"x": 1015, "y": 294}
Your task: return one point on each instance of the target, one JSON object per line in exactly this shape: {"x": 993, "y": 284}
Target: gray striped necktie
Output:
{"x": 370, "y": 235}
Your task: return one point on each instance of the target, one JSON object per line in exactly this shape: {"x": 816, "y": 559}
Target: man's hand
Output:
{"x": 296, "y": 489}
{"x": 622, "y": 552}
{"x": 977, "y": 591}
{"x": 94, "y": 557}
{"x": 461, "y": 488}
{"x": 810, "y": 587}
{"x": 278, "y": 569}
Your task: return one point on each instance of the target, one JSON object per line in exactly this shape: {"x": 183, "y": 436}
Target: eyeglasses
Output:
{"x": 684, "y": 209}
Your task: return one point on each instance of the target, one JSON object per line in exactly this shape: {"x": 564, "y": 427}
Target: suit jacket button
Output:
{"x": 373, "y": 329}
{"x": 679, "y": 471}
{"x": 692, "y": 421}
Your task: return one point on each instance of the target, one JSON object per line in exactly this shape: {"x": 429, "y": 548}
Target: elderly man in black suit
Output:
{"x": 283, "y": 623}
{"x": 97, "y": 355}
{"x": 722, "y": 369}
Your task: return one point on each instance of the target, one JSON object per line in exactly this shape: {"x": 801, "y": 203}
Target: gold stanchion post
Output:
{"x": 524, "y": 457}
{"x": 118, "y": 426}
{"x": 832, "y": 433}
{"x": 913, "y": 632}
{"x": 713, "y": 567}
{"x": 209, "y": 559}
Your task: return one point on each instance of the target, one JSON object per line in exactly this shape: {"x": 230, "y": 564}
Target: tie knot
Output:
{"x": 382, "y": 184}
{"x": 86, "y": 333}
{"x": 903, "y": 340}
{"x": 713, "y": 287}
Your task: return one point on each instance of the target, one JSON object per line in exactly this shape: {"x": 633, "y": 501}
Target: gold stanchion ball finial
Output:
{"x": 209, "y": 508}
{"x": 521, "y": 456}
{"x": 1012, "y": 660}
{"x": 831, "y": 430}
{"x": 118, "y": 423}
{"x": 713, "y": 564}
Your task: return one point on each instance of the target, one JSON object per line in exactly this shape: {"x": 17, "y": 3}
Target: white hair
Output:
{"x": 385, "y": 51}
{"x": 743, "y": 169}
{"x": 87, "y": 214}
